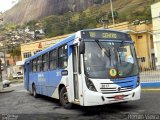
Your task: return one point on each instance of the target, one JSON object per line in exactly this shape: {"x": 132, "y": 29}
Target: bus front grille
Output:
{"x": 110, "y": 90}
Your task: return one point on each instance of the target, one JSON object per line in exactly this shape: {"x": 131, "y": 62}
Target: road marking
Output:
{"x": 16, "y": 85}
{"x": 20, "y": 91}
{"x": 151, "y": 89}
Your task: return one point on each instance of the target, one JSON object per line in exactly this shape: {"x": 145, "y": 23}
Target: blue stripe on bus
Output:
{"x": 150, "y": 84}
{"x": 126, "y": 82}
{"x": 47, "y": 85}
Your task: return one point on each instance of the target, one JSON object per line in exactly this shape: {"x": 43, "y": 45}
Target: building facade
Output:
{"x": 155, "y": 9}
{"x": 29, "y": 49}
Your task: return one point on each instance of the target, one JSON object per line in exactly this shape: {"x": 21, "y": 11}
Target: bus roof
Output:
{"x": 107, "y": 29}
{"x": 66, "y": 40}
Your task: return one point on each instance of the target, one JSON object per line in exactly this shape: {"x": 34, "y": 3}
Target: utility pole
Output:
{"x": 68, "y": 22}
{"x": 112, "y": 12}
{"x": 5, "y": 63}
{"x": 1, "y": 84}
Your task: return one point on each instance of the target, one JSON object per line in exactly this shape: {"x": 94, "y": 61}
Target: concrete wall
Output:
{"x": 155, "y": 9}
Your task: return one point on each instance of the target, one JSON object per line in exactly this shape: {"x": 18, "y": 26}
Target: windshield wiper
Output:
{"x": 107, "y": 51}
{"x": 122, "y": 42}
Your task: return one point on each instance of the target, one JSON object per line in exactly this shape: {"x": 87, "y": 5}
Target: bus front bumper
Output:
{"x": 94, "y": 98}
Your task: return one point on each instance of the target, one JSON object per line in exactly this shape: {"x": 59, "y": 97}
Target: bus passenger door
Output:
{"x": 75, "y": 73}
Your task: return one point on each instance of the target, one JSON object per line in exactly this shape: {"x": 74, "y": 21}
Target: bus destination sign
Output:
{"x": 99, "y": 34}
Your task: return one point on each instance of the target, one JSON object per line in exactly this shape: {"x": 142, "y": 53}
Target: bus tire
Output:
{"x": 64, "y": 99}
{"x": 34, "y": 91}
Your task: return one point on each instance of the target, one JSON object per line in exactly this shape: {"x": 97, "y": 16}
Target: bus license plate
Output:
{"x": 119, "y": 97}
{"x": 105, "y": 86}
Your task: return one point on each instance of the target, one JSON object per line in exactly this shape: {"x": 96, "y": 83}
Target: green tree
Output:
{"x": 97, "y": 1}
{"x": 16, "y": 51}
{"x": 32, "y": 26}
{"x": 53, "y": 25}
{"x": 115, "y": 13}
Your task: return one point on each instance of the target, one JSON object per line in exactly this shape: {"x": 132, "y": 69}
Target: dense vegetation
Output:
{"x": 90, "y": 18}
{"x": 70, "y": 22}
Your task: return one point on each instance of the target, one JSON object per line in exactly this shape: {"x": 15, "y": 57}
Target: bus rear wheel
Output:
{"x": 34, "y": 91}
{"x": 64, "y": 99}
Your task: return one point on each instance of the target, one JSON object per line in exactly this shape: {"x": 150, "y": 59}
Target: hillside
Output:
{"x": 58, "y": 18}
{"x": 27, "y": 10}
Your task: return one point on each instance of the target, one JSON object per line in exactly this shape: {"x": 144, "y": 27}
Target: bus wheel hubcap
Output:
{"x": 65, "y": 98}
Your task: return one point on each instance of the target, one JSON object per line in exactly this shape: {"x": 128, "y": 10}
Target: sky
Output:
{"x": 7, "y": 4}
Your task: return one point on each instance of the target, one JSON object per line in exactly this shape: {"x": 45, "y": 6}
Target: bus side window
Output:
{"x": 39, "y": 63}
{"x": 63, "y": 56}
{"x": 30, "y": 67}
{"x": 45, "y": 62}
{"x": 53, "y": 59}
{"x": 34, "y": 65}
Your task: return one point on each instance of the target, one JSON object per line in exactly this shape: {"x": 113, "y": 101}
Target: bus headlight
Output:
{"x": 90, "y": 85}
{"x": 138, "y": 82}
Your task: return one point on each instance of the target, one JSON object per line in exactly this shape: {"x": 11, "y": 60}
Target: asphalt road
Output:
{"x": 20, "y": 105}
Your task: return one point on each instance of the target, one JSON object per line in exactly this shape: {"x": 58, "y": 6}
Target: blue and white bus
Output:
{"x": 91, "y": 67}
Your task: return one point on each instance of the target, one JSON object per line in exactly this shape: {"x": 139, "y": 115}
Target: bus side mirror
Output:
{"x": 82, "y": 47}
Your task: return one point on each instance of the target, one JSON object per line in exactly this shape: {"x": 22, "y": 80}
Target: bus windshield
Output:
{"x": 102, "y": 55}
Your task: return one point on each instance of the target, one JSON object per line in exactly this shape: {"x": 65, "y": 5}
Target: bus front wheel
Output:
{"x": 64, "y": 99}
